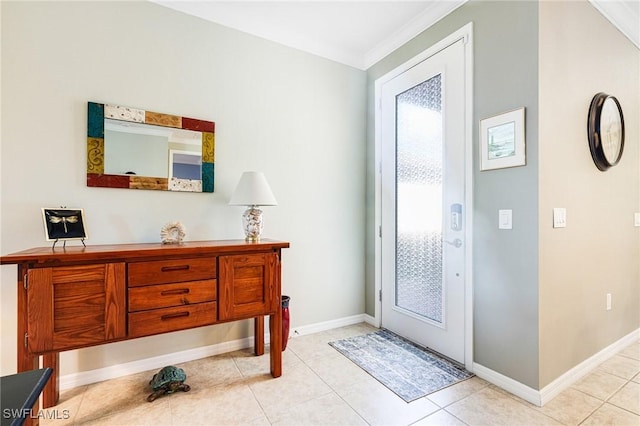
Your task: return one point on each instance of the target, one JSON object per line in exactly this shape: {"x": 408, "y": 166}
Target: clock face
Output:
{"x": 610, "y": 130}
{"x": 605, "y": 129}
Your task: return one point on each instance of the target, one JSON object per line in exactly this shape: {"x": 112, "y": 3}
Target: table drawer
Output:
{"x": 171, "y": 271}
{"x": 156, "y": 321}
{"x": 175, "y": 294}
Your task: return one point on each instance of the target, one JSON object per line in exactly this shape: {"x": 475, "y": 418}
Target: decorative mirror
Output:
{"x": 138, "y": 149}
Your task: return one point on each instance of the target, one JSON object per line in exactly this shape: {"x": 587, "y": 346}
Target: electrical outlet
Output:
{"x": 608, "y": 301}
{"x": 636, "y": 219}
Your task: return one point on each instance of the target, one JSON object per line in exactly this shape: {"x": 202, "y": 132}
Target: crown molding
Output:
{"x": 256, "y": 25}
{"x": 432, "y": 14}
{"x": 623, "y": 16}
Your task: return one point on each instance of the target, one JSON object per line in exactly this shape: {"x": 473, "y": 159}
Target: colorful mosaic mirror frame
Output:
{"x": 96, "y": 177}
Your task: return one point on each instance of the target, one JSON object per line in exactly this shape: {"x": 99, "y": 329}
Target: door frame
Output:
{"x": 465, "y": 33}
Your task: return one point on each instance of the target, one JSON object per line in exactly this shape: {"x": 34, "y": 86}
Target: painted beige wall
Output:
{"x": 297, "y": 117}
{"x": 581, "y": 54}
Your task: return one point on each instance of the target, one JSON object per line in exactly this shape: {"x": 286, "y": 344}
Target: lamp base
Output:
{"x": 252, "y": 223}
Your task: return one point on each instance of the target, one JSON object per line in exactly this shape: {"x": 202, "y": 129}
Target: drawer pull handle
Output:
{"x": 175, "y": 268}
{"x": 173, "y": 292}
{"x": 176, "y": 315}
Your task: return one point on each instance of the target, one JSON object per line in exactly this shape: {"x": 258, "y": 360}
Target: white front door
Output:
{"x": 423, "y": 134}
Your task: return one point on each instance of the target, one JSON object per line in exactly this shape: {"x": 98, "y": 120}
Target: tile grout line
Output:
{"x": 311, "y": 399}
{"x": 334, "y": 391}
{"x": 607, "y": 399}
{"x": 235, "y": 363}
{"x": 617, "y": 391}
{"x": 458, "y": 418}
{"x": 602, "y": 402}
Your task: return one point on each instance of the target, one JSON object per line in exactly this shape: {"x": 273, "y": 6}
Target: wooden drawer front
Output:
{"x": 176, "y": 294}
{"x": 158, "y": 321}
{"x": 171, "y": 271}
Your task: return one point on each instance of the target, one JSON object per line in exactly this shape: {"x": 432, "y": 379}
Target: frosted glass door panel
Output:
{"x": 419, "y": 195}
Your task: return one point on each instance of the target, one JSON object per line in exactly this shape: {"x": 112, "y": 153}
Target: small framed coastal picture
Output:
{"x": 502, "y": 141}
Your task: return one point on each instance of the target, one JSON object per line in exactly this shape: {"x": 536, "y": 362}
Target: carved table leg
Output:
{"x": 258, "y": 327}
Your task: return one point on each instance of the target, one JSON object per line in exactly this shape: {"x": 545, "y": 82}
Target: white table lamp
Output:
{"x": 252, "y": 191}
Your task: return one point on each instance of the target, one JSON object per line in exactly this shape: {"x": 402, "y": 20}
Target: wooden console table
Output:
{"x": 76, "y": 297}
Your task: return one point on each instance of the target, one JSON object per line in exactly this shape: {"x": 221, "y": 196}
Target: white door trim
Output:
{"x": 465, "y": 33}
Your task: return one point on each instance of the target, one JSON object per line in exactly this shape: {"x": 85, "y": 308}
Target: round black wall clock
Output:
{"x": 605, "y": 129}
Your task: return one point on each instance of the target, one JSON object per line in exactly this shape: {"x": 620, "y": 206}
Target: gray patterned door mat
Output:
{"x": 408, "y": 370}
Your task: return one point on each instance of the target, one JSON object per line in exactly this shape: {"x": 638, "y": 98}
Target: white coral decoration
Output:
{"x": 172, "y": 233}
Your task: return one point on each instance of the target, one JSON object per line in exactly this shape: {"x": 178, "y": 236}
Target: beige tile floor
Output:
{"x": 319, "y": 386}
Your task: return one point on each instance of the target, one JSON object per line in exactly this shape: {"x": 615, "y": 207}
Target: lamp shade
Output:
{"x": 253, "y": 190}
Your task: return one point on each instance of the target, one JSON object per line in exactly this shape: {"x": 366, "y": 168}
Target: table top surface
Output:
{"x": 133, "y": 250}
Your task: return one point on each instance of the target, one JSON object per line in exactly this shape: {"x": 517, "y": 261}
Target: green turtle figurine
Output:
{"x": 168, "y": 380}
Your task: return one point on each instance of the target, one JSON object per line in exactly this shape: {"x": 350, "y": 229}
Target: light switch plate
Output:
{"x": 505, "y": 219}
{"x": 559, "y": 217}
{"x": 636, "y": 219}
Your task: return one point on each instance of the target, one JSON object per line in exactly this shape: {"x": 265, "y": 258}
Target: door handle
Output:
{"x": 457, "y": 243}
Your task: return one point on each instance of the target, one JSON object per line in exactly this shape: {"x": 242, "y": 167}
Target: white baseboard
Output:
{"x": 93, "y": 376}
{"x": 327, "y": 325}
{"x": 371, "y": 320}
{"x": 507, "y": 383}
{"x": 525, "y": 392}
{"x": 579, "y": 371}
{"x": 563, "y": 382}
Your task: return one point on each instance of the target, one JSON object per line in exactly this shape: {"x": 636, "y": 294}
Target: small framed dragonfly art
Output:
{"x": 64, "y": 224}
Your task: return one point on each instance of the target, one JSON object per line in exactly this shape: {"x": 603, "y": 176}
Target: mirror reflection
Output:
{"x": 184, "y": 164}
{"x": 126, "y": 143}
{"x": 129, "y": 148}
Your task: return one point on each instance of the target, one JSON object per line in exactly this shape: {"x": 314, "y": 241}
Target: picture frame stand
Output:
{"x": 64, "y": 243}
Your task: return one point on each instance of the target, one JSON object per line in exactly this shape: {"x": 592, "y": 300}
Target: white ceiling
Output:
{"x": 357, "y": 33}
